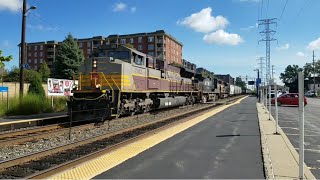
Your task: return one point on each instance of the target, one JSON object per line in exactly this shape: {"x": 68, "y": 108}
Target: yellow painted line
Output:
{"x": 29, "y": 120}
{"x": 105, "y": 162}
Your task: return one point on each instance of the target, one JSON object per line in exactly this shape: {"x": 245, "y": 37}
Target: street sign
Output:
{"x": 4, "y": 89}
{"x": 258, "y": 81}
{"x": 26, "y": 66}
{"x": 250, "y": 82}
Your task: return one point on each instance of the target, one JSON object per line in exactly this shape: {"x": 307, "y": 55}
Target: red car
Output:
{"x": 289, "y": 99}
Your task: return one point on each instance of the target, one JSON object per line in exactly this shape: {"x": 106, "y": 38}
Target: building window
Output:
{"x": 88, "y": 51}
{"x": 150, "y": 47}
{"x": 123, "y": 41}
{"x": 80, "y": 45}
{"x": 151, "y": 53}
{"x": 41, "y": 54}
{"x": 140, "y": 47}
{"x": 88, "y": 44}
{"x": 150, "y": 39}
{"x": 35, "y": 61}
{"x": 131, "y": 40}
{"x": 139, "y": 39}
{"x": 41, "y": 60}
{"x": 41, "y": 47}
{"x": 35, "y": 54}
{"x": 35, "y": 48}
{"x": 29, "y": 60}
{"x": 29, "y": 54}
{"x": 29, "y": 47}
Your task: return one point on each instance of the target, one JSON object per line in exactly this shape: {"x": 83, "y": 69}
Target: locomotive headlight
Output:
{"x": 94, "y": 63}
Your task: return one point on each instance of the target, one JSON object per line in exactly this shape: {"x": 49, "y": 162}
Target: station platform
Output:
{"x": 226, "y": 145}
{"x": 13, "y": 122}
{"x": 233, "y": 141}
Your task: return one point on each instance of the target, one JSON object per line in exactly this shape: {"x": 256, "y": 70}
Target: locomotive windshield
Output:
{"x": 123, "y": 55}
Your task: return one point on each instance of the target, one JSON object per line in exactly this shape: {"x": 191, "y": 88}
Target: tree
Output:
{"x": 13, "y": 75}
{"x": 44, "y": 71}
{"x": 290, "y": 74}
{"x": 68, "y": 59}
{"x": 308, "y": 70}
{"x": 241, "y": 83}
{"x": 4, "y": 59}
{"x": 290, "y": 77}
{"x": 35, "y": 86}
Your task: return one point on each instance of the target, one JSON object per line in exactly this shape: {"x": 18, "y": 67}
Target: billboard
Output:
{"x": 60, "y": 87}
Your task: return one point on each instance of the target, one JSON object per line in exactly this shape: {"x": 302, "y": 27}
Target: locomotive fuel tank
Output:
{"x": 167, "y": 102}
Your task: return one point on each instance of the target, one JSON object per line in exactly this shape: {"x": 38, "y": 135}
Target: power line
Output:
{"x": 284, "y": 7}
{"x": 304, "y": 5}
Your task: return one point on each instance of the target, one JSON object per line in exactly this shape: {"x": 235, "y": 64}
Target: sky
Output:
{"x": 220, "y": 35}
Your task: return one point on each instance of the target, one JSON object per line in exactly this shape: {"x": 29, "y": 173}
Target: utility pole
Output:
{"x": 261, "y": 67}
{"x": 314, "y": 75}
{"x": 267, "y": 32}
{"x": 23, "y": 47}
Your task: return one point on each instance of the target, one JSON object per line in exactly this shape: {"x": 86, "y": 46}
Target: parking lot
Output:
{"x": 289, "y": 122}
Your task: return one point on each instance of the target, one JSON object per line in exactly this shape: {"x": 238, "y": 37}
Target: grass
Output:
{"x": 32, "y": 104}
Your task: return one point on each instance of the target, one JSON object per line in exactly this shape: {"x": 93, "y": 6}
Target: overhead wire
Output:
{"x": 283, "y": 9}
{"x": 304, "y": 5}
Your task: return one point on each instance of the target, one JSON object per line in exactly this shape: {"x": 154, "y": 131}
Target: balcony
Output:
{"x": 50, "y": 49}
{"x": 50, "y": 56}
{"x": 159, "y": 57}
{"x": 160, "y": 49}
{"x": 160, "y": 41}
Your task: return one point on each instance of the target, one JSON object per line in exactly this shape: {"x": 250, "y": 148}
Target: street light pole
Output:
{"x": 23, "y": 45}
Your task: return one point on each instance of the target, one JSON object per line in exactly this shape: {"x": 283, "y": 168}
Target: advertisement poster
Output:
{"x": 60, "y": 87}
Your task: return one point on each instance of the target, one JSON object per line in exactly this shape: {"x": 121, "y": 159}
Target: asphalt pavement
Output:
{"x": 224, "y": 146}
{"x": 289, "y": 122}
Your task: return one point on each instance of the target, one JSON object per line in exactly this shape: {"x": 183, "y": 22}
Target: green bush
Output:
{"x": 31, "y": 104}
{"x": 35, "y": 86}
{"x": 59, "y": 104}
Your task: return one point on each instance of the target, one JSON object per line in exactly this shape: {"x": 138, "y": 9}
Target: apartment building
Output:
{"x": 39, "y": 52}
{"x": 158, "y": 44}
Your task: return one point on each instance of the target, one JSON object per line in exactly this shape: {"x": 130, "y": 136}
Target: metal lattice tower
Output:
{"x": 261, "y": 67}
{"x": 268, "y": 37}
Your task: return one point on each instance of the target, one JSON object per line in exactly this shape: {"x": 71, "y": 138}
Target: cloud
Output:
{"x": 133, "y": 9}
{"x": 314, "y": 45}
{"x": 284, "y": 47}
{"x": 204, "y": 22}
{"x": 300, "y": 54}
{"x": 11, "y": 5}
{"x": 40, "y": 27}
{"x": 249, "y": 27}
{"x": 119, "y": 7}
{"x": 222, "y": 37}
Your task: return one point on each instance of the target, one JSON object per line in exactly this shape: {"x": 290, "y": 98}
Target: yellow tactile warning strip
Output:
{"x": 103, "y": 163}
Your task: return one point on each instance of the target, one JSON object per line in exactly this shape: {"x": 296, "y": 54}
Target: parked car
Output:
{"x": 311, "y": 94}
{"x": 289, "y": 99}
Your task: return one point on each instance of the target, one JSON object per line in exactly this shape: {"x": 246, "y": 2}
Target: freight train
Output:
{"x": 120, "y": 81}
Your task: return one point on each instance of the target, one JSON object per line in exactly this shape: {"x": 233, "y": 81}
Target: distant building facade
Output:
{"x": 226, "y": 78}
{"x": 158, "y": 44}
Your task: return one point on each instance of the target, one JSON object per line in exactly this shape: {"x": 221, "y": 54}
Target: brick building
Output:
{"x": 38, "y": 52}
{"x": 226, "y": 78}
{"x": 158, "y": 44}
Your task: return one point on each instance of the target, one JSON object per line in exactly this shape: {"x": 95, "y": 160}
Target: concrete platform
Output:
{"x": 281, "y": 160}
{"x": 15, "y": 122}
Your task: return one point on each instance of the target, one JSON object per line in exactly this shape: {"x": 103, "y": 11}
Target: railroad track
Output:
{"x": 44, "y": 163}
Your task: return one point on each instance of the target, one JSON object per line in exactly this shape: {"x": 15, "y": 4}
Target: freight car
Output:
{"x": 123, "y": 81}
